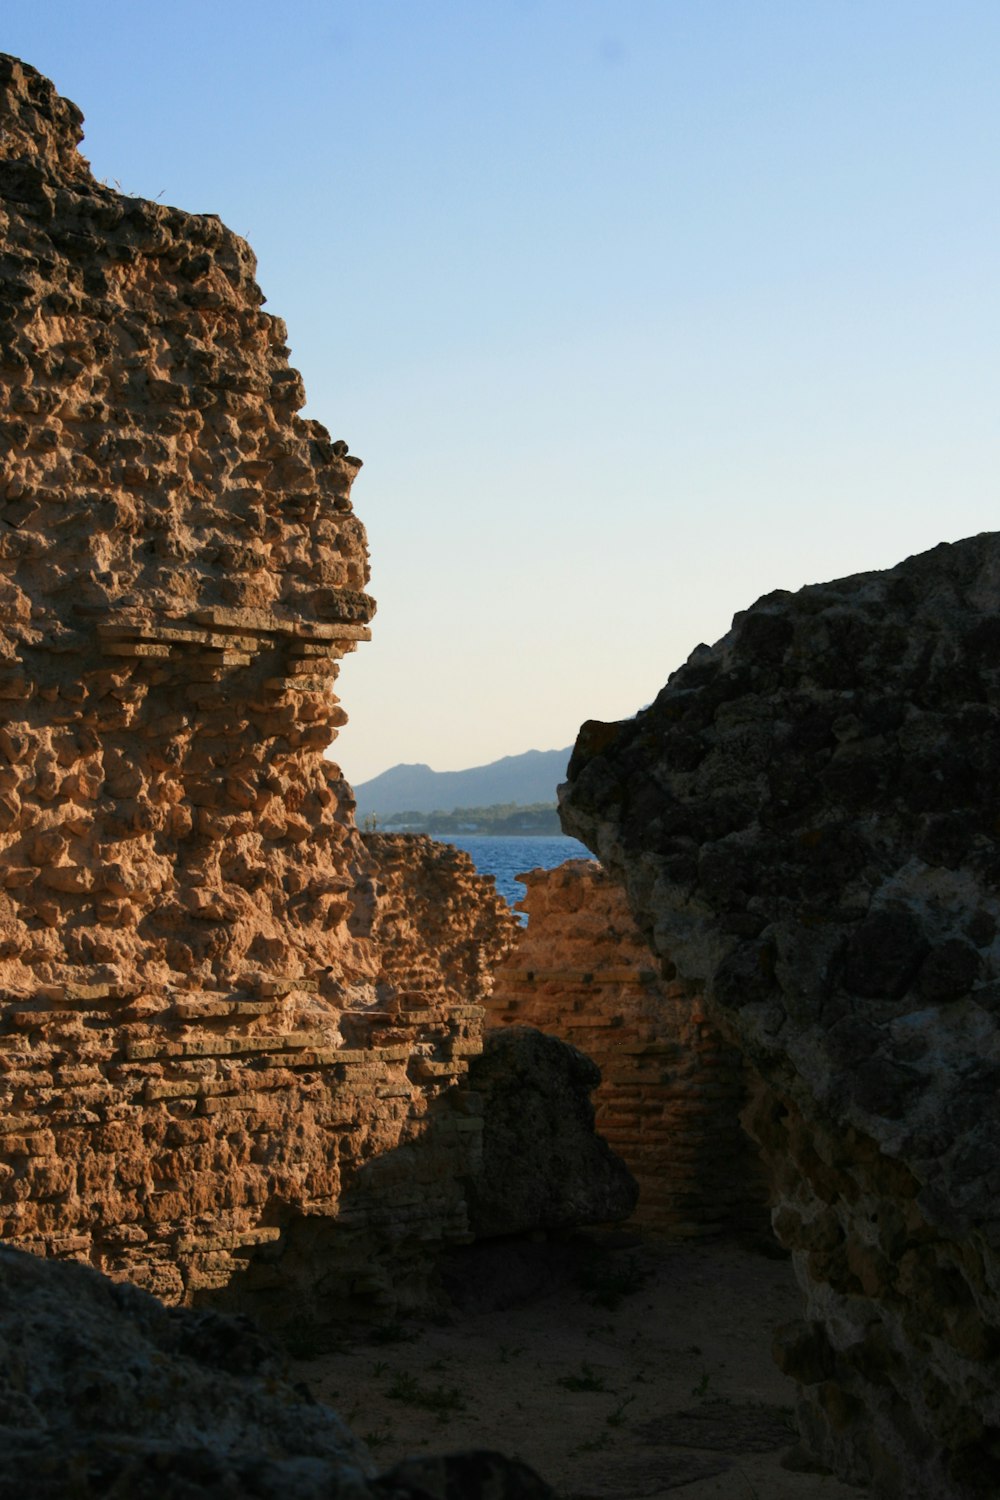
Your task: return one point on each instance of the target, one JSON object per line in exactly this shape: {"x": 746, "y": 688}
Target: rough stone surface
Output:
{"x": 180, "y": 573}
{"x": 543, "y": 1165}
{"x": 805, "y": 821}
{"x": 105, "y": 1392}
{"x": 218, "y": 1006}
{"x": 671, "y": 1089}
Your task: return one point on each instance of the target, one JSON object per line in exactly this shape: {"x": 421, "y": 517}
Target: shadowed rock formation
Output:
{"x": 805, "y": 822}
{"x": 105, "y": 1392}
{"x": 671, "y": 1089}
{"x": 543, "y": 1165}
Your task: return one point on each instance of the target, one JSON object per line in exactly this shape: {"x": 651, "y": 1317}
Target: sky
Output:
{"x": 635, "y": 310}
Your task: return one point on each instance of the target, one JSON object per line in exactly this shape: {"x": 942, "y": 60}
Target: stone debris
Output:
{"x": 104, "y": 1392}
{"x": 671, "y": 1089}
{"x": 805, "y": 823}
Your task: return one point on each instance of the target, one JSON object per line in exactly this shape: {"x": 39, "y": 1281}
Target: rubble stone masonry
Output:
{"x": 672, "y": 1089}
{"x": 217, "y": 1006}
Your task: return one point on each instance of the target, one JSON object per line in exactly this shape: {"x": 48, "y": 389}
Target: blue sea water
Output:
{"x": 507, "y": 857}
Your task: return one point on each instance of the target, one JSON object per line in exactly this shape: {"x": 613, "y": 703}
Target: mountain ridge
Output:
{"x": 524, "y": 780}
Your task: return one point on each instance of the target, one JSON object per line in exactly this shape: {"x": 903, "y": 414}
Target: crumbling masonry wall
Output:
{"x": 671, "y": 1089}
{"x": 213, "y": 1015}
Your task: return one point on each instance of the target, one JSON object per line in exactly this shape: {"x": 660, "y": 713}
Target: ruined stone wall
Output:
{"x": 213, "y": 1015}
{"x": 671, "y": 1089}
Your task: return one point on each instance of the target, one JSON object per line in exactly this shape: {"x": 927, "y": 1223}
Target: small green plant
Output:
{"x": 616, "y": 1418}
{"x": 379, "y": 1368}
{"x": 441, "y": 1400}
{"x": 378, "y": 1439}
{"x": 587, "y": 1380}
{"x": 701, "y": 1390}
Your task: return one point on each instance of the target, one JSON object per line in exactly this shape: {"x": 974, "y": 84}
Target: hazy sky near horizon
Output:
{"x": 635, "y": 309}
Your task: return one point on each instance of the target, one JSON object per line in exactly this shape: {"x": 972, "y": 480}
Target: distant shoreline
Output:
{"x": 485, "y": 833}
{"x": 500, "y": 820}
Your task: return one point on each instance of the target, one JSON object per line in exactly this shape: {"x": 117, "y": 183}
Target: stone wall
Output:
{"x": 805, "y": 821}
{"x": 218, "y": 1006}
{"x": 182, "y": 1137}
{"x": 671, "y": 1089}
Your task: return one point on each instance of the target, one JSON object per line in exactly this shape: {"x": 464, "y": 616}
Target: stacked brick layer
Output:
{"x": 175, "y": 1136}
{"x": 671, "y": 1089}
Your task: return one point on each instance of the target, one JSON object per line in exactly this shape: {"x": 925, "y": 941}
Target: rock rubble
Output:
{"x": 106, "y": 1393}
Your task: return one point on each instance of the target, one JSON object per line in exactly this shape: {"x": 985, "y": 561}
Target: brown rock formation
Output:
{"x": 805, "y": 821}
{"x": 217, "y": 1006}
{"x": 180, "y": 573}
{"x": 671, "y": 1089}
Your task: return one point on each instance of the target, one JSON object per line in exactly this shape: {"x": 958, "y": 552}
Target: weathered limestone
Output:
{"x": 180, "y": 573}
{"x": 671, "y": 1089}
{"x": 805, "y": 822}
{"x": 106, "y": 1393}
{"x": 218, "y": 1007}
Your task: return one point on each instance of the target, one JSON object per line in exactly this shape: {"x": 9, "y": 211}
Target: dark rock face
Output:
{"x": 105, "y": 1392}
{"x": 543, "y": 1167}
{"x": 806, "y": 821}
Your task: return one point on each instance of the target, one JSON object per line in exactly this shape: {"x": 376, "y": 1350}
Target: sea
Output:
{"x": 508, "y": 856}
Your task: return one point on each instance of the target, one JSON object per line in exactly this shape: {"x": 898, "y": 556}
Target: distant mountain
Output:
{"x": 521, "y": 779}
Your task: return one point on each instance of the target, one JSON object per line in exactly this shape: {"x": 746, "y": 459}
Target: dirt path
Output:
{"x": 620, "y": 1372}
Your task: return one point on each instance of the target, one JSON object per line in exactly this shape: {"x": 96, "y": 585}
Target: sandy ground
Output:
{"x": 619, "y": 1369}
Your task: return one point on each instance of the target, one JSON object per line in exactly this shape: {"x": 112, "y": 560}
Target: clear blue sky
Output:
{"x": 635, "y": 309}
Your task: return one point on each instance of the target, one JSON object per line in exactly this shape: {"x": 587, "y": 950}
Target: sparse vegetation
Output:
{"x": 616, "y": 1418}
{"x": 378, "y": 1439}
{"x": 441, "y": 1400}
